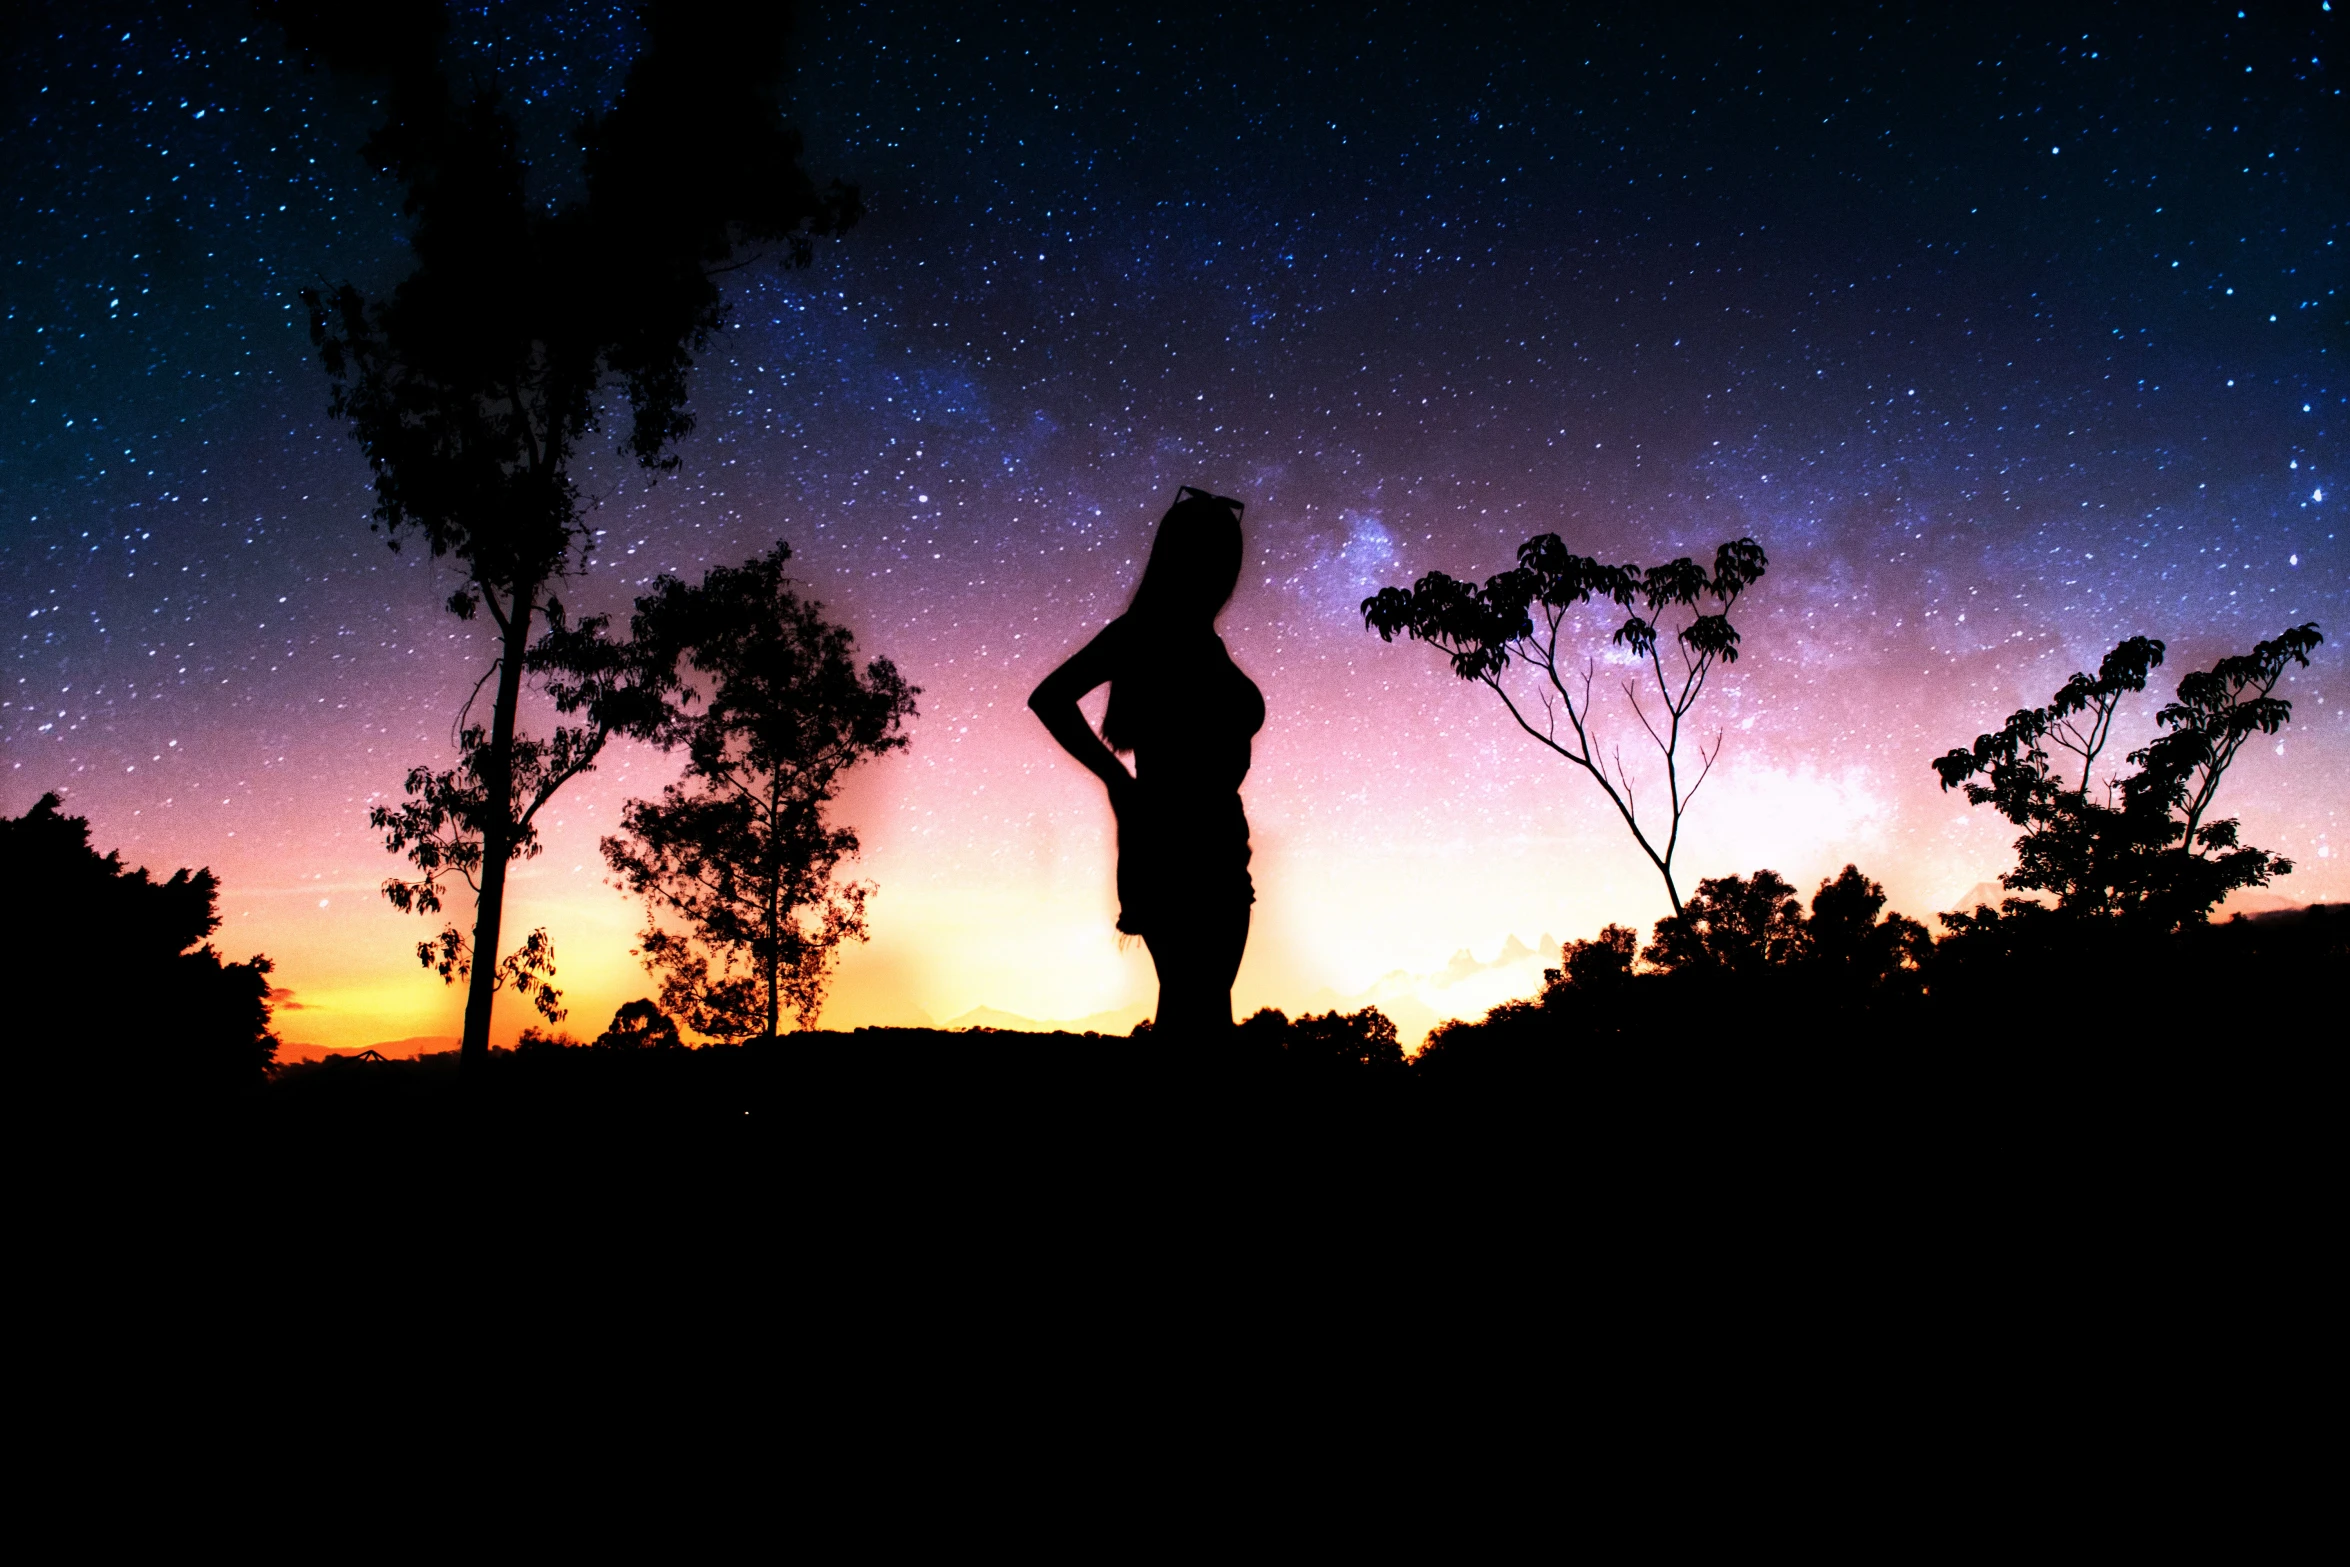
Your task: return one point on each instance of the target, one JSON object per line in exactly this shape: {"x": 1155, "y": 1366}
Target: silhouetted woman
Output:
{"x": 1186, "y": 713}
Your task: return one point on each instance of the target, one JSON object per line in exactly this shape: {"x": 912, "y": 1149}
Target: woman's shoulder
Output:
{"x": 1132, "y": 641}
{"x": 1101, "y": 659}
{"x": 1117, "y": 641}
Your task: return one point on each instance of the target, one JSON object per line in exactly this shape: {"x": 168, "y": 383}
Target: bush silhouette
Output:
{"x": 1597, "y": 965}
{"x": 640, "y": 1025}
{"x": 1743, "y": 925}
{"x": 123, "y": 965}
{"x": 1365, "y": 1039}
{"x": 1850, "y": 935}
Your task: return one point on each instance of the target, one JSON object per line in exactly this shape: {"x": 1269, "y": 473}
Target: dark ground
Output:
{"x": 1678, "y": 1162}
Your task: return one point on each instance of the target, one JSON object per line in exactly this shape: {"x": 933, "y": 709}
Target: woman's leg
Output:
{"x": 1197, "y": 960}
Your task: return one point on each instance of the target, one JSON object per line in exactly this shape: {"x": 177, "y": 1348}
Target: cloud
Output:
{"x": 1466, "y": 987}
{"x": 1753, "y": 814}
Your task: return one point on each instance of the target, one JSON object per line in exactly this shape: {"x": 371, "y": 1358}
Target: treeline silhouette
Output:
{"x": 1825, "y": 1073}
{"x": 2102, "y": 958}
{"x": 1755, "y": 1002}
{"x": 1751, "y": 975}
{"x": 1773, "y": 1061}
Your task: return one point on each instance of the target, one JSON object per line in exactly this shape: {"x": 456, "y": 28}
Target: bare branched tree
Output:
{"x": 1525, "y": 616}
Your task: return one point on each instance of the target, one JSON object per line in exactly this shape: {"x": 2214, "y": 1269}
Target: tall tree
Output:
{"x": 1525, "y": 616}
{"x": 739, "y": 856}
{"x": 450, "y": 818}
{"x": 472, "y": 385}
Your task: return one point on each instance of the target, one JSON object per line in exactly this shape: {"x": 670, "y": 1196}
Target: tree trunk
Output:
{"x": 774, "y": 921}
{"x": 1665, "y": 870}
{"x": 774, "y": 1002}
{"x": 497, "y": 839}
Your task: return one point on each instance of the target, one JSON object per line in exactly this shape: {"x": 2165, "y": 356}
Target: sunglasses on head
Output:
{"x": 1185, "y": 491}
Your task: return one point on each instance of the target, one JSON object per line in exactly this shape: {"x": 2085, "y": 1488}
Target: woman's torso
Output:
{"x": 1194, "y": 713}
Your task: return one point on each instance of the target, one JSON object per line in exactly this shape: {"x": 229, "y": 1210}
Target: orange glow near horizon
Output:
{"x": 1427, "y": 862}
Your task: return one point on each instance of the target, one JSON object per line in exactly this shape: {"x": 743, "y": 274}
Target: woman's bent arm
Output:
{"x": 1055, "y": 701}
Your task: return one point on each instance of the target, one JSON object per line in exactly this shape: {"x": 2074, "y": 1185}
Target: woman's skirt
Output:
{"x": 1182, "y": 862}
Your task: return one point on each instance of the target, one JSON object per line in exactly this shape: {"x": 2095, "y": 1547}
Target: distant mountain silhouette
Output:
{"x": 1513, "y": 971}
{"x": 2253, "y": 904}
{"x": 886, "y": 1009}
{"x": 1118, "y": 1020}
{"x": 1987, "y": 894}
{"x": 2298, "y": 914}
{"x": 390, "y": 1049}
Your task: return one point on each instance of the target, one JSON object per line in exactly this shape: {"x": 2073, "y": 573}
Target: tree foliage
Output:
{"x": 1735, "y": 924}
{"x": 1600, "y": 964}
{"x": 1524, "y": 616}
{"x": 109, "y": 956}
{"x": 1741, "y": 926}
{"x": 2216, "y": 711}
{"x": 640, "y": 1025}
{"x": 1358, "y": 1041}
{"x": 1850, "y": 934}
{"x": 1365, "y": 1038}
{"x": 2145, "y": 852}
{"x": 471, "y": 386}
{"x": 739, "y": 857}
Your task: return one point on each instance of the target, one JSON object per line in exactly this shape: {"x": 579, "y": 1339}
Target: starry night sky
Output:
{"x": 2007, "y": 334}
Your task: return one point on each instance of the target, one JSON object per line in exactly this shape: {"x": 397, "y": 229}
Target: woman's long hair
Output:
{"x": 1194, "y": 565}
